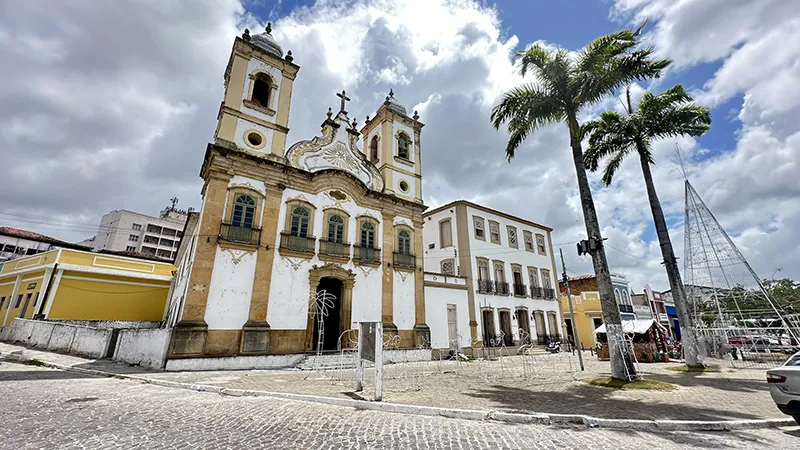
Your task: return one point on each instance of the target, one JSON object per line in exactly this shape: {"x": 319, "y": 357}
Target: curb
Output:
{"x": 466, "y": 414}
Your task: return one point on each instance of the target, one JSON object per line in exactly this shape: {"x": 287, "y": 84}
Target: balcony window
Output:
{"x": 336, "y": 229}
{"x": 480, "y": 232}
{"x": 367, "y": 255}
{"x": 239, "y": 235}
{"x": 244, "y": 210}
{"x": 519, "y": 286}
{"x": 404, "y": 242}
{"x": 367, "y": 234}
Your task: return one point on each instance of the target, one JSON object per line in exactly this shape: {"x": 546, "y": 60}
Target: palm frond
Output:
{"x": 612, "y": 166}
{"x": 609, "y": 135}
{"x": 525, "y": 109}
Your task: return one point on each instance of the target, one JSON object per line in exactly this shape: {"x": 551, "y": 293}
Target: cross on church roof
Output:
{"x": 344, "y": 98}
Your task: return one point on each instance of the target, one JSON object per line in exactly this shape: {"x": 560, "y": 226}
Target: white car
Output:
{"x": 784, "y": 386}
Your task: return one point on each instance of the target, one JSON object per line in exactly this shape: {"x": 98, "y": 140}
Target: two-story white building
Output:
{"x": 509, "y": 267}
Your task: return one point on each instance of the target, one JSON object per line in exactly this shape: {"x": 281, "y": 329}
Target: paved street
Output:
{"x": 48, "y": 408}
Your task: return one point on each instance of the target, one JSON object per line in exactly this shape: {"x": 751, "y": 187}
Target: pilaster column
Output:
{"x": 189, "y": 335}
{"x": 422, "y": 333}
{"x": 387, "y": 310}
{"x": 255, "y": 333}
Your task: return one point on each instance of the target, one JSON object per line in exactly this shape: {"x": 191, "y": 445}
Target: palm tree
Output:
{"x": 564, "y": 86}
{"x": 615, "y": 135}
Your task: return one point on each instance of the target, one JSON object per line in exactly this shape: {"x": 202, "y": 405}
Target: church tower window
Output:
{"x": 373, "y": 150}
{"x": 299, "y": 222}
{"x": 403, "y": 144}
{"x": 262, "y": 87}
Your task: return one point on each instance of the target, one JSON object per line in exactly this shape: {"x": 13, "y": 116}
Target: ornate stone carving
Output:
{"x": 296, "y": 262}
{"x": 237, "y": 254}
{"x": 336, "y": 149}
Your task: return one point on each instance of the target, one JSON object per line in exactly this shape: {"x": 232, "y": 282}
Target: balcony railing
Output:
{"x": 549, "y": 293}
{"x": 240, "y": 235}
{"x": 520, "y": 289}
{"x": 405, "y": 260}
{"x": 626, "y": 308}
{"x": 335, "y": 249}
{"x": 536, "y": 292}
{"x": 501, "y": 288}
{"x": 302, "y": 244}
{"x": 367, "y": 255}
{"x": 485, "y": 286}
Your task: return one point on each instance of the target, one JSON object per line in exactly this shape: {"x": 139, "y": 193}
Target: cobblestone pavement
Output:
{"x": 47, "y": 408}
{"x": 726, "y": 395}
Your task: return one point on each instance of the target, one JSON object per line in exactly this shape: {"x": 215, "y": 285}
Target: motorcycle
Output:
{"x": 553, "y": 347}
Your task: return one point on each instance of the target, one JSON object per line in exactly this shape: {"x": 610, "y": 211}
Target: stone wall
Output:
{"x": 144, "y": 347}
{"x": 59, "y": 337}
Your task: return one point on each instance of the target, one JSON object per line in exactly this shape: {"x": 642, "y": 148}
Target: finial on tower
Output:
{"x": 416, "y": 115}
{"x": 330, "y": 113}
{"x": 246, "y": 35}
{"x": 391, "y": 93}
{"x": 355, "y": 123}
{"x": 269, "y": 28}
{"x": 367, "y": 119}
{"x": 289, "y": 56}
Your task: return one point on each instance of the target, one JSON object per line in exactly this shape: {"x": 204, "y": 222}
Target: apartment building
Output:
{"x": 128, "y": 231}
{"x": 509, "y": 267}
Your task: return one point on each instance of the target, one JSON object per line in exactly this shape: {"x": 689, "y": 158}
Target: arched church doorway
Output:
{"x": 328, "y": 314}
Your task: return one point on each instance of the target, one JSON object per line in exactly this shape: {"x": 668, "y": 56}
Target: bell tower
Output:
{"x": 392, "y": 144}
{"x": 254, "y": 115}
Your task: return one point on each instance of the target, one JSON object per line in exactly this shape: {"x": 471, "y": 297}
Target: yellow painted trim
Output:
{"x": 95, "y": 262}
{"x": 103, "y": 280}
{"x": 38, "y": 260}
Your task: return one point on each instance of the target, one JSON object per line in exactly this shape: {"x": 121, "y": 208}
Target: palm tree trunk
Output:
{"x": 688, "y": 331}
{"x": 622, "y": 367}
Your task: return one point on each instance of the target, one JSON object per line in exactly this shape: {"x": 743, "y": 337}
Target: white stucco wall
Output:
{"x": 145, "y": 347}
{"x": 403, "y": 294}
{"x": 430, "y": 235}
{"x": 231, "y": 289}
{"x": 53, "y": 336}
{"x": 243, "y": 126}
{"x": 289, "y": 288}
{"x": 436, "y": 301}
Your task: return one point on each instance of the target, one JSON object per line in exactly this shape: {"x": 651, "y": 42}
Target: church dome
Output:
{"x": 393, "y": 105}
{"x": 266, "y": 42}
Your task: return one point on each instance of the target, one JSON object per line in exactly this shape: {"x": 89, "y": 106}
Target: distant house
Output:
{"x": 16, "y": 243}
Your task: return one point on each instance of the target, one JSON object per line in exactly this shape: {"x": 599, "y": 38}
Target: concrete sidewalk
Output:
{"x": 724, "y": 400}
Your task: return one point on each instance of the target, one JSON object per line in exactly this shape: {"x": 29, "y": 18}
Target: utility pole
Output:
{"x": 571, "y": 311}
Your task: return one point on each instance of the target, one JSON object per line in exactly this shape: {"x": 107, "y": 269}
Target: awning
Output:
{"x": 639, "y": 326}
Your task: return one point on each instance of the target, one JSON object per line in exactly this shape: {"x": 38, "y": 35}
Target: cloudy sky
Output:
{"x": 109, "y": 105}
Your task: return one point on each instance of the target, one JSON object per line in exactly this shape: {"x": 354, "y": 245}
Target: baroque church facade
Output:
{"x": 279, "y": 224}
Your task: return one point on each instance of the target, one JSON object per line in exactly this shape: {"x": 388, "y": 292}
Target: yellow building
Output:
{"x": 588, "y": 316}
{"x": 77, "y": 285}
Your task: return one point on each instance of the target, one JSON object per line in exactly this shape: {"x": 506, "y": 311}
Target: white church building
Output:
{"x": 342, "y": 213}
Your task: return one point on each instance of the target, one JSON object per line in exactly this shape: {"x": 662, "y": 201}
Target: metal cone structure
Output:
{"x": 735, "y": 315}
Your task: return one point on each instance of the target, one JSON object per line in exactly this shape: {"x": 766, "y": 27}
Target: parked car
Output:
{"x": 784, "y": 386}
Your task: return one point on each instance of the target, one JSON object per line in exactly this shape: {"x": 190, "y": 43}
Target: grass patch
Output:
{"x": 33, "y": 362}
{"x": 648, "y": 385}
{"x": 685, "y": 368}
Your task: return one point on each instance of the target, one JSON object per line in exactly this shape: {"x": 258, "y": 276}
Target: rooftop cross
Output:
{"x": 344, "y": 98}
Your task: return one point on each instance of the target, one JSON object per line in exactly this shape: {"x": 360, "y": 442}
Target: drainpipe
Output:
{"x": 47, "y": 291}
